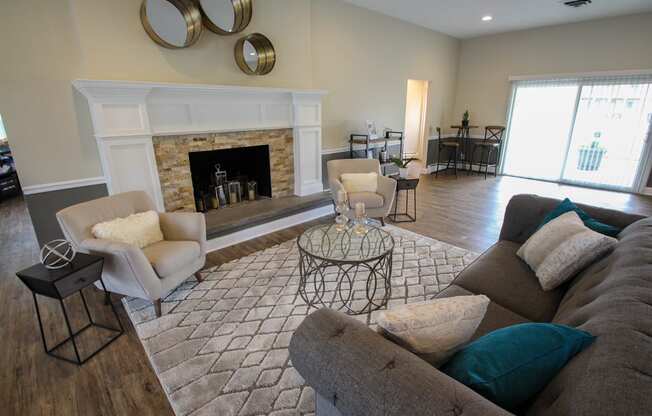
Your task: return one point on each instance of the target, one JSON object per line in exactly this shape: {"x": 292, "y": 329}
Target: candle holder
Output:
{"x": 360, "y": 227}
{"x": 252, "y": 190}
{"x": 235, "y": 195}
{"x": 341, "y": 207}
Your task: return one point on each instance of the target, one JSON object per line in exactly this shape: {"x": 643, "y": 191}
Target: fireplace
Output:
{"x": 241, "y": 164}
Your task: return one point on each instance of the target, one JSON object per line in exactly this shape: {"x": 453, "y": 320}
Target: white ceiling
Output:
{"x": 462, "y": 18}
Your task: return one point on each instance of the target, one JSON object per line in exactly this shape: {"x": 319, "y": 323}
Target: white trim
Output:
{"x": 580, "y": 75}
{"x": 647, "y": 191}
{"x": 58, "y": 186}
{"x": 270, "y": 227}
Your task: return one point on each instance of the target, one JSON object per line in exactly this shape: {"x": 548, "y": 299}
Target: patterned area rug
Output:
{"x": 221, "y": 347}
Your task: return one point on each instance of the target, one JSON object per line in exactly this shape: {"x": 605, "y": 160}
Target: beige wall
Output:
{"x": 46, "y": 44}
{"x": 623, "y": 43}
{"x": 363, "y": 58}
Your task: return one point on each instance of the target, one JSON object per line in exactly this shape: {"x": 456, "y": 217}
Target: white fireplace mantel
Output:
{"x": 127, "y": 114}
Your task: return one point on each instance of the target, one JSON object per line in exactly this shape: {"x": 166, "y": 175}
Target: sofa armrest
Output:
{"x": 126, "y": 268}
{"x": 184, "y": 226}
{"x": 336, "y": 186}
{"x": 363, "y": 374}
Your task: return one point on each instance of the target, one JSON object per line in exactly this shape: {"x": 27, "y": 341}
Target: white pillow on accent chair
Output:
{"x": 360, "y": 182}
{"x": 435, "y": 329}
{"x": 140, "y": 229}
{"x": 562, "y": 248}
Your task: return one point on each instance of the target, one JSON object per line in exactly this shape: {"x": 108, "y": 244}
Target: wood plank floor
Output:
{"x": 466, "y": 212}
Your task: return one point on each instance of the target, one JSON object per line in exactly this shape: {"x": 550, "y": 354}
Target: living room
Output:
{"x": 294, "y": 207}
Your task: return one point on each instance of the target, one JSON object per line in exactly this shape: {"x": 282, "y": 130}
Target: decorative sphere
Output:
{"x": 57, "y": 254}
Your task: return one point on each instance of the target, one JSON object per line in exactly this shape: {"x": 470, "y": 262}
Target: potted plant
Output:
{"x": 465, "y": 119}
{"x": 402, "y": 166}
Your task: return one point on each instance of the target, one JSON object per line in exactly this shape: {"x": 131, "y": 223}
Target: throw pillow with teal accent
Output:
{"x": 511, "y": 365}
{"x": 567, "y": 205}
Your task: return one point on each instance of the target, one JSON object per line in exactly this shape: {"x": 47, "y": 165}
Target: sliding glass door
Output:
{"x": 586, "y": 131}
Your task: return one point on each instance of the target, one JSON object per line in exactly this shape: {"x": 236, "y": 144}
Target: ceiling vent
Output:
{"x": 577, "y": 3}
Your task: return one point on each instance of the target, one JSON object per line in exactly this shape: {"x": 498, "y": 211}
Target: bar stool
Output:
{"x": 453, "y": 149}
{"x": 493, "y": 139}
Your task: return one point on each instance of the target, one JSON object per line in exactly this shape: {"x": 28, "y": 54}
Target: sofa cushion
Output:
{"x": 168, "y": 257}
{"x": 562, "y": 248}
{"x": 611, "y": 299}
{"x": 507, "y": 280}
{"x": 434, "y": 329}
{"x": 496, "y": 316}
{"x": 567, "y": 205}
{"x": 370, "y": 199}
{"x": 510, "y": 365}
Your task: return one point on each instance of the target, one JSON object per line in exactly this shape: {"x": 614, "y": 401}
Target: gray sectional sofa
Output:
{"x": 357, "y": 372}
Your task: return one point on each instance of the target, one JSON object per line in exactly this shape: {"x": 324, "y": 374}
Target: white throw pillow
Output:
{"x": 360, "y": 182}
{"x": 562, "y": 248}
{"x": 435, "y": 329}
{"x": 140, "y": 229}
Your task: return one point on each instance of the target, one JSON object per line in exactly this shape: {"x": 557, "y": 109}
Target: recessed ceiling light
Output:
{"x": 487, "y": 18}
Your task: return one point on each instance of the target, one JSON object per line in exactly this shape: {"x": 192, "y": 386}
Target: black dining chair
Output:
{"x": 453, "y": 151}
{"x": 491, "y": 144}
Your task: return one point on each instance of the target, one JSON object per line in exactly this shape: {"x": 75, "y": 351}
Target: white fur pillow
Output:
{"x": 435, "y": 329}
{"x": 360, "y": 182}
{"x": 563, "y": 247}
{"x": 140, "y": 229}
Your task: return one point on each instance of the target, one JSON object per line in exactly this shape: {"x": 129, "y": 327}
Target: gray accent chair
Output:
{"x": 148, "y": 273}
{"x": 379, "y": 204}
{"x": 357, "y": 372}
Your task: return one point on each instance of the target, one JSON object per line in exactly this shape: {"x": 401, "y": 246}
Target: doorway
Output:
{"x": 591, "y": 132}
{"x": 416, "y": 110}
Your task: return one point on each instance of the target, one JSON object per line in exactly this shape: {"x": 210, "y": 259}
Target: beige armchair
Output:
{"x": 148, "y": 273}
{"x": 379, "y": 204}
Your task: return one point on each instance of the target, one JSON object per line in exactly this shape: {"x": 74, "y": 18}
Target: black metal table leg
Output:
{"x": 40, "y": 324}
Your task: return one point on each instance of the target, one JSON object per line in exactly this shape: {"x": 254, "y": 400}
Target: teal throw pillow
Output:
{"x": 567, "y": 205}
{"x": 511, "y": 365}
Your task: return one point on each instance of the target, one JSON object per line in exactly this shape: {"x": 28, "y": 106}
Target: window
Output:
{"x": 590, "y": 131}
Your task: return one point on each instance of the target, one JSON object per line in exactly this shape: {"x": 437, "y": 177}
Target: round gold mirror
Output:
{"x": 226, "y": 17}
{"x": 171, "y": 23}
{"x": 255, "y": 54}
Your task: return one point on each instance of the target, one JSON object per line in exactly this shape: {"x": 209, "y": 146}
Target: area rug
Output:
{"x": 221, "y": 347}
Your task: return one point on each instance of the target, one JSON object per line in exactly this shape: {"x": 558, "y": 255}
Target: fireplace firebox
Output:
{"x": 241, "y": 164}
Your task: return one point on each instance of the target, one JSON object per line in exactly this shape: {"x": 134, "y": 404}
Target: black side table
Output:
{"x": 407, "y": 185}
{"x": 59, "y": 284}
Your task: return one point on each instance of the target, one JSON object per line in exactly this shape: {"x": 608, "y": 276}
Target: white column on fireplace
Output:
{"x": 126, "y": 115}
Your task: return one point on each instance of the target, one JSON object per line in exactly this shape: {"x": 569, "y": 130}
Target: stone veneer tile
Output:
{"x": 174, "y": 165}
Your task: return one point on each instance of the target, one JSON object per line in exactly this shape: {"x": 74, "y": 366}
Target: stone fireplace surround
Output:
{"x": 174, "y": 165}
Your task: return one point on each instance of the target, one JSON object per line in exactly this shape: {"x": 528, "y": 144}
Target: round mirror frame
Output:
{"x": 242, "y": 12}
{"x": 266, "y": 55}
{"x": 192, "y": 16}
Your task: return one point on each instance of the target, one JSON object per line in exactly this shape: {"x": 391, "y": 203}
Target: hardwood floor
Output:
{"x": 466, "y": 212}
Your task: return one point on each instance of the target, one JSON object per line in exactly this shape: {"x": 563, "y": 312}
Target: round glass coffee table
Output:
{"x": 345, "y": 270}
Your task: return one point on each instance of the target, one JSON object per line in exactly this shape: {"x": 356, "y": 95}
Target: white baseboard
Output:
{"x": 58, "y": 186}
{"x": 267, "y": 228}
{"x": 647, "y": 191}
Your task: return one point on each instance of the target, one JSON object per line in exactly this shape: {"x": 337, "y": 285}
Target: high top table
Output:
{"x": 463, "y": 134}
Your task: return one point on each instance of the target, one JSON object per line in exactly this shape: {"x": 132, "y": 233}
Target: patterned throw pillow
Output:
{"x": 563, "y": 247}
{"x": 140, "y": 229}
{"x": 435, "y": 329}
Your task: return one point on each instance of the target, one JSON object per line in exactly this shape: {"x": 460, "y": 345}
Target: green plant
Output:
{"x": 466, "y": 116}
{"x": 402, "y": 163}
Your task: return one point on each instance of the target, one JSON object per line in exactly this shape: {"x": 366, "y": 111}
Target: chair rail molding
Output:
{"x": 126, "y": 115}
